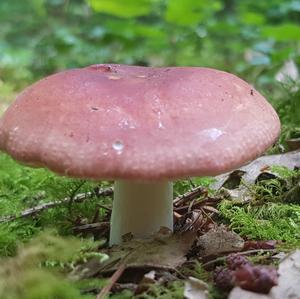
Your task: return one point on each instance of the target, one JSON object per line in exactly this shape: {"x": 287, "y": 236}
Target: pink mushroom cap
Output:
{"x": 142, "y": 123}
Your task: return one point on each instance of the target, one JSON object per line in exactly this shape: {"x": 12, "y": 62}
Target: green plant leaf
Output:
{"x": 121, "y": 8}
{"x": 190, "y": 12}
{"x": 283, "y": 32}
{"x": 252, "y": 18}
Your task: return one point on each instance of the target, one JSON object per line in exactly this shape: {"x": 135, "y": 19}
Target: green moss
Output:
{"x": 284, "y": 172}
{"x": 42, "y": 274}
{"x": 15, "y": 233}
{"x": 22, "y": 187}
{"x": 173, "y": 290}
{"x": 195, "y": 269}
{"x": 275, "y": 221}
{"x": 23, "y": 277}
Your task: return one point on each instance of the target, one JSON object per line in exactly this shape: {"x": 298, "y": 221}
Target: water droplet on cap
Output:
{"x": 118, "y": 146}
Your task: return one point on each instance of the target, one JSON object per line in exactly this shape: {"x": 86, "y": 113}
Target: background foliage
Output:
{"x": 257, "y": 40}
{"x": 253, "y": 39}
{"x": 246, "y": 37}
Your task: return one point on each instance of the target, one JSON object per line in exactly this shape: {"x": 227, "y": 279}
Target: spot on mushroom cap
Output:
{"x": 130, "y": 122}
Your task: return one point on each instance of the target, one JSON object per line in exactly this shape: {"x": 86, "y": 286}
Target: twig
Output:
{"x": 90, "y": 227}
{"x": 198, "y": 204}
{"x": 188, "y": 196}
{"x": 117, "y": 274}
{"x": 113, "y": 280}
{"x": 73, "y": 194}
{"x": 52, "y": 204}
{"x": 104, "y": 207}
{"x": 222, "y": 258}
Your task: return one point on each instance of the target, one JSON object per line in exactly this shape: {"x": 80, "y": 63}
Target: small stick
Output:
{"x": 52, "y": 204}
{"x": 198, "y": 204}
{"x": 222, "y": 258}
{"x": 188, "y": 196}
{"x": 113, "y": 280}
{"x": 104, "y": 207}
{"x": 91, "y": 226}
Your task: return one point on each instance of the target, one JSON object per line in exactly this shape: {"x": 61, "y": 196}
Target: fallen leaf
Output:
{"x": 289, "y": 278}
{"x": 195, "y": 289}
{"x": 241, "y": 194}
{"x": 253, "y": 169}
{"x": 234, "y": 179}
{"x": 238, "y": 293}
{"x": 293, "y": 143}
{"x": 160, "y": 253}
{"x": 219, "y": 240}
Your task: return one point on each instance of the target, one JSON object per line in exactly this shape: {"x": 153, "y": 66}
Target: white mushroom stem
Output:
{"x": 141, "y": 209}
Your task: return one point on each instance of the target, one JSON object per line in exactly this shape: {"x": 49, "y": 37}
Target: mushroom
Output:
{"x": 142, "y": 127}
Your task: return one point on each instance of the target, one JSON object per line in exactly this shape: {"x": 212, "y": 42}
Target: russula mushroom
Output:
{"x": 142, "y": 127}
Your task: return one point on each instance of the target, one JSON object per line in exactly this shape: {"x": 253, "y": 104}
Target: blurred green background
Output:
{"x": 257, "y": 40}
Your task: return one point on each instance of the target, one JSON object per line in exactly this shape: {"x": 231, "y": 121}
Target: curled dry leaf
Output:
{"x": 234, "y": 179}
{"x": 253, "y": 169}
{"x": 195, "y": 289}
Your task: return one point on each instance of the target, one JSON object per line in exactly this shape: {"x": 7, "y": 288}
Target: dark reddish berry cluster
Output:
{"x": 235, "y": 261}
{"x": 223, "y": 278}
{"x": 241, "y": 272}
{"x": 258, "y": 279}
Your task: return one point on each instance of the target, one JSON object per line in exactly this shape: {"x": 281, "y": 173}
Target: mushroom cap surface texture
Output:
{"x": 144, "y": 123}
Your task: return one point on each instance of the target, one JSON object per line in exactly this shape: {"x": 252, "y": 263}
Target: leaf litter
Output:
{"x": 251, "y": 171}
{"x": 195, "y": 289}
{"x": 137, "y": 264}
{"x": 288, "y": 285}
{"x": 197, "y": 236}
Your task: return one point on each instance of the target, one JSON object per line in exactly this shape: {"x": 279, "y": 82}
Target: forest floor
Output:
{"x": 230, "y": 231}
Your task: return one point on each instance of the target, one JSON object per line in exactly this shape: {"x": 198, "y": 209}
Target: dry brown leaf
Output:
{"x": 219, "y": 241}
{"x": 162, "y": 252}
{"x": 293, "y": 143}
